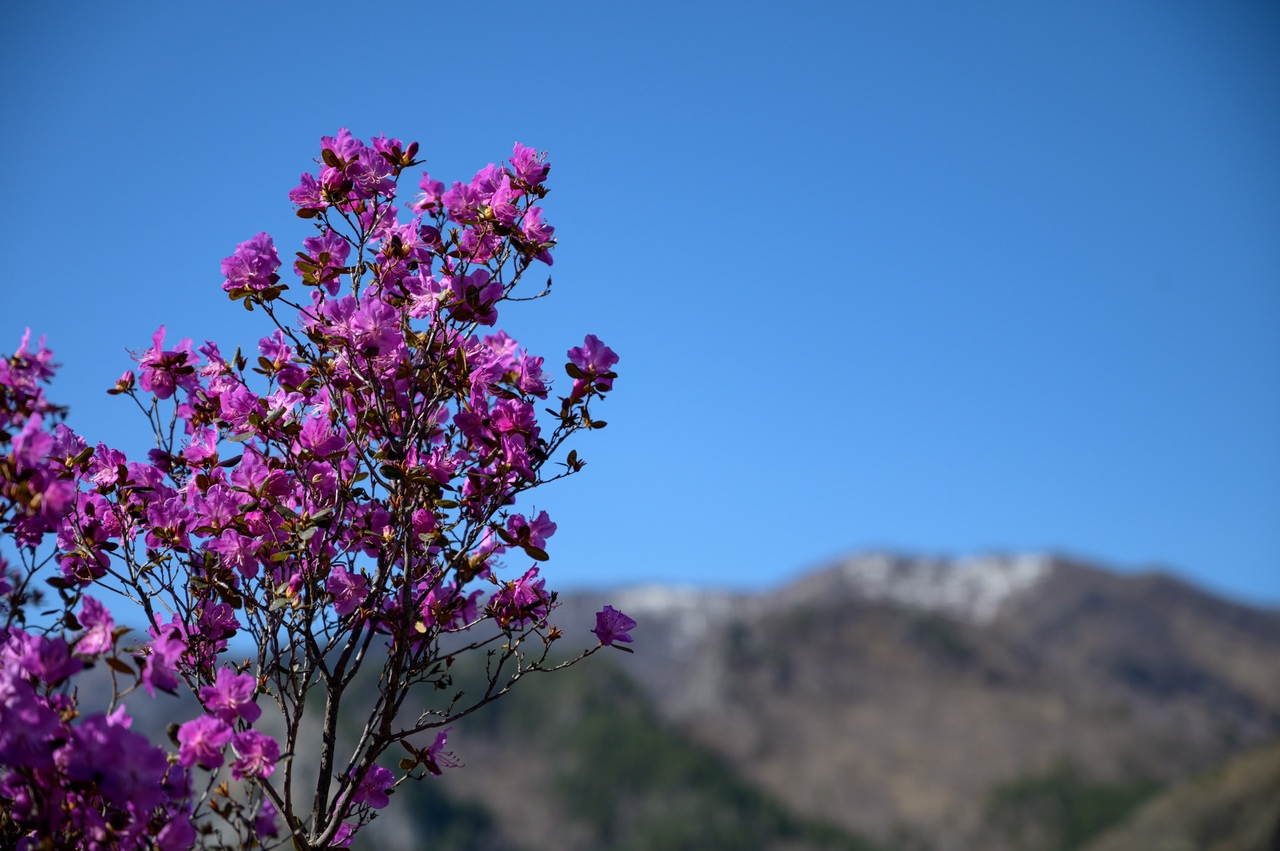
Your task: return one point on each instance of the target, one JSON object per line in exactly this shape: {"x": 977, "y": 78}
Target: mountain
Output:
{"x": 1235, "y": 807}
{"x": 887, "y": 701}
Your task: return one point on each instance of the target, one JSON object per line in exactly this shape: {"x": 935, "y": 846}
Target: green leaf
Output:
{"x": 573, "y": 371}
{"x": 535, "y": 553}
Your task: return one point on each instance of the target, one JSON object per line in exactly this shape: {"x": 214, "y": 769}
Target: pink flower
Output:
{"x": 521, "y": 600}
{"x": 265, "y": 823}
{"x": 348, "y": 590}
{"x": 435, "y": 756}
{"x": 177, "y": 835}
{"x": 230, "y": 696}
{"x": 50, "y": 659}
{"x": 98, "y": 625}
{"x": 612, "y": 625}
{"x": 164, "y": 370}
{"x": 535, "y": 533}
{"x": 253, "y": 265}
{"x": 201, "y": 741}
{"x": 428, "y": 201}
{"x": 257, "y": 755}
{"x": 529, "y": 167}
{"x": 160, "y": 671}
{"x": 373, "y": 790}
{"x": 594, "y": 362}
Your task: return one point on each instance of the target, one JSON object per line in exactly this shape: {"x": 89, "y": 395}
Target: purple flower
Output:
{"x": 539, "y": 233}
{"x": 328, "y": 254}
{"x": 373, "y": 790}
{"x": 177, "y": 835}
{"x": 50, "y": 660}
{"x": 203, "y": 447}
{"x": 160, "y": 671}
{"x": 252, "y": 267}
{"x": 32, "y": 444}
{"x": 231, "y": 695}
{"x": 516, "y": 454}
{"x": 462, "y": 202}
{"x": 26, "y": 725}
{"x": 307, "y": 194}
{"x": 370, "y": 326}
{"x": 127, "y": 767}
{"x": 237, "y": 551}
{"x": 503, "y": 201}
{"x": 265, "y": 823}
{"x": 342, "y": 839}
{"x": 347, "y": 590}
{"x": 164, "y": 370}
{"x": 521, "y": 600}
{"x": 475, "y": 296}
{"x": 202, "y": 740}
{"x": 344, "y": 146}
{"x": 98, "y": 625}
{"x": 612, "y": 625}
{"x": 529, "y": 376}
{"x": 535, "y": 533}
{"x": 257, "y": 755}
{"x": 595, "y": 361}
{"x": 529, "y": 167}
{"x": 428, "y": 201}
{"x": 435, "y": 756}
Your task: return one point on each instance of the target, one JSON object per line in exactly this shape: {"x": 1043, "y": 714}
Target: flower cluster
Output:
{"x": 346, "y": 499}
{"x": 93, "y": 783}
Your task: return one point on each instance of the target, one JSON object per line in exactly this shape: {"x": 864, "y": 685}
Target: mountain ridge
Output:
{"x": 896, "y": 693}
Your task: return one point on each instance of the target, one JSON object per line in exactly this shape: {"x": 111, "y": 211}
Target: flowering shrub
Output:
{"x": 340, "y": 503}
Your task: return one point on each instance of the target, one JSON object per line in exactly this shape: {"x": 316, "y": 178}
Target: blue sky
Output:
{"x": 942, "y": 278}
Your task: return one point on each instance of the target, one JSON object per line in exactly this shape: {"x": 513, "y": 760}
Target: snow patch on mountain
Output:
{"x": 688, "y": 613}
{"x": 972, "y": 588}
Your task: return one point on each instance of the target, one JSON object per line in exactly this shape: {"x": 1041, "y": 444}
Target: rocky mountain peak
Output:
{"x": 970, "y": 588}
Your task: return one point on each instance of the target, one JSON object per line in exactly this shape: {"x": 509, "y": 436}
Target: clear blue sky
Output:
{"x": 937, "y": 277}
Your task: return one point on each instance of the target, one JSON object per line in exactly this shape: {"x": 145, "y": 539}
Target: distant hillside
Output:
{"x": 1235, "y": 807}
{"x": 908, "y": 702}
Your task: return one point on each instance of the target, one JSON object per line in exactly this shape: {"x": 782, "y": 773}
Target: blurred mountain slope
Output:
{"x": 1235, "y": 807}
{"x": 896, "y": 695}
